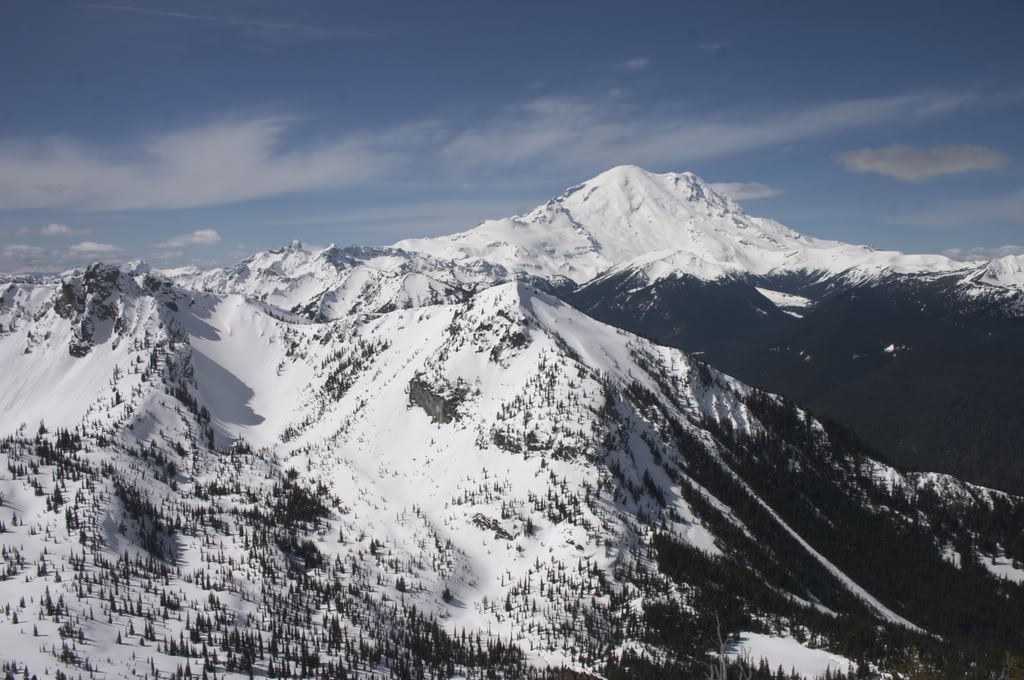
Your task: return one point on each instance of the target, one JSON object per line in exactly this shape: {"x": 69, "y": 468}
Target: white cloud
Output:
{"x": 1005, "y": 208}
{"x": 908, "y": 164}
{"x": 716, "y": 48}
{"x": 54, "y": 229}
{"x": 636, "y": 64}
{"x": 199, "y": 237}
{"x": 50, "y": 230}
{"x": 745, "y": 191}
{"x": 17, "y": 250}
{"x": 982, "y": 253}
{"x": 385, "y": 224}
{"x": 93, "y": 249}
{"x": 258, "y": 27}
{"x": 217, "y": 163}
{"x": 244, "y": 159}
{"x": 17, "y": 258}
{"x": 588, "y": 135}
{"x": 20, "y": 258}
{"x": 166, "y": 256}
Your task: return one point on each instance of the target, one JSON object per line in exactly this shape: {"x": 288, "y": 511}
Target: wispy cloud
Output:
{"x": 635, "y": 64}
{"x": 54, "y": 229}
{"x": 381, "y": 225}
{"x": 226, "y": 161}
{"x": 18, "y": 251}
{"x": 50, "y": 230}
{"x": 18, "y": 258}
{"x": 561, "y": 138}
{"x": 745, "y": 191}
{"x": 238, "y": 22}
{"x": 981, "y": 253}
{"x": 908, "y": 164}
{"x": 1001, "y": 209}
{"x": 592, "y": 134}
{"x": 94, "y": 249}
{"x": 199, "y": 237}
{"x": 717, "y": 48}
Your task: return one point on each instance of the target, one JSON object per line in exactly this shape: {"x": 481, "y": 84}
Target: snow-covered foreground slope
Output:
{"x": 501, "y": 486}
{"x": 670, "y": 224}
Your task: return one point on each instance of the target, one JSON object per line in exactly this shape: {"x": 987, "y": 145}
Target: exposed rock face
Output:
{"x": 489, "y": 524}
{"x": 85, "y": 300}
{"x": 441, "y": 407}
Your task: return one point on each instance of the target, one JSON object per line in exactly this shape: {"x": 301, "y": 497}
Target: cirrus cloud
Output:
{"x": 94, "y": 249}
{"x": 908, "y": 164}
{"x": 50, "y": 230}
{"x": 745, "y": 191}
{"x": 222, "y": 162}
{"x": 240, "y": 159}
{"x": 636, "y": 64}
{"x": 1007, "y": 208}
{"x": 199, "y": 237}
{"x": 983, "y": 253}
{"x": 18, "y": 258}
{"x": 589, "y": 135}
{"x": 17, "y": 250}
{"x": 54, "y": 229}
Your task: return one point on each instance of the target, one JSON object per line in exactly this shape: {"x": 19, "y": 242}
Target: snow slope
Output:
{"x": 794, "y": 305}
{"x": 1005, "y": 272}
{"x": 503, "y": 464}
{"x": 791, "y": 655}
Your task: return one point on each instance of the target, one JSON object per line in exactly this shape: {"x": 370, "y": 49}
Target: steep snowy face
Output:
{"x": 628, "y": 213}
{"x": 61, "y": 341}
{"x": 334, "y": 282}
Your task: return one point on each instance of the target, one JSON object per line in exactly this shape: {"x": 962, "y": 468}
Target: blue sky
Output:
{"x": 198, "y": 132}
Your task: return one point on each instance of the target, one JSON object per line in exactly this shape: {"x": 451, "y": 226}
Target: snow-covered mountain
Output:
{"x": 331, "y": 283}
{"x": 1005, "y": 272}
{"x": 626, "y": 222}
{"x": 666, "y": 224}
{"x": 205, "y": 482}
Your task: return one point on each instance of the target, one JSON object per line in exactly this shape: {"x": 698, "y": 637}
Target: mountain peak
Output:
{"x": 620, "y": 214}
{"x": 631, "y": 185}
{"x": 1007, "y": 271}
{"x": 634, "y": 175}
{"x": 627, "y": 213}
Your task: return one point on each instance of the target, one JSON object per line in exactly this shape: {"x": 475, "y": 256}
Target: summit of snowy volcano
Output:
{"x": 627, "y": 212}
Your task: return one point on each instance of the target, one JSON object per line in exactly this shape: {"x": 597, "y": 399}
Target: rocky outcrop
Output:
{"x": 85, "y": 300}
{"x": 440, "y": 402}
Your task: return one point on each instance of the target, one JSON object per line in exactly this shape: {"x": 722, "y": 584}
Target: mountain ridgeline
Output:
{"x": 422, "y": 461}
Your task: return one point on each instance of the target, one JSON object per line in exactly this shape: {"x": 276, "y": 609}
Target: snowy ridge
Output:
{"x": 333, "y": 282}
